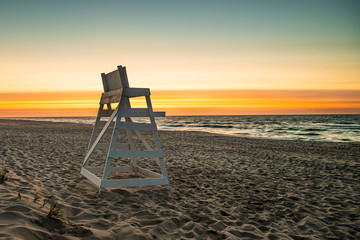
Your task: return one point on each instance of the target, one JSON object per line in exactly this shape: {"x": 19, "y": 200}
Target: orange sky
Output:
{"x": 188, "y": 102}
{"x": 277, "y": 57}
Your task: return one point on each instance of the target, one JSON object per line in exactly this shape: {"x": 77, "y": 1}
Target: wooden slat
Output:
{"x": 141, "y": 137}
{"x": 111, "y": 96}
{"x": 116, "y": 89}
{"x": 122, "y": 169}
{"x": 159, "y": 114}
{"x": 133, "y": 182}
{"x": 113, "y": 80}
{"x": 136, "y": 92}
{"x": 92, "y": 177}
{"x": 100, "y": 135}
{"x": 140, "y": 112}
{"x": 157, "y": 140}
{"x": 123, "y": 76}
{"x": 136, "y": 126}
{"x": 96, "y": 125}
{"x": 135, "y": 154}
{"x": 103, "y": 77}
{"x": 117, "y": 92}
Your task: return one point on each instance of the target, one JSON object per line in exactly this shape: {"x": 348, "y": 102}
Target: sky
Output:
{"x": 197, "y": 57}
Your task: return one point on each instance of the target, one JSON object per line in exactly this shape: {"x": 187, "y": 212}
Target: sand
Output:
{"x": 222, "y": 187}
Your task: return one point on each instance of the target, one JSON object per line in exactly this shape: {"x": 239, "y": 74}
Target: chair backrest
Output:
{"x": 115, "y": 80}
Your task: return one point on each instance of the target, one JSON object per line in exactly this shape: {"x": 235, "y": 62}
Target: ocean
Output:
{"x": 333, "y": 128}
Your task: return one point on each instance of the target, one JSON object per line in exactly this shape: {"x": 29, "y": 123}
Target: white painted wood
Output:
{"x": 123, "y": 76}
{"x": 104, "y": 82}
{"x": 137, "y": 126}
{"x": 159, "y": 114}
{"x": 100, "y": 135}
{"x": 160, "y": 162}
{"x": 122, "y": 169}
{"x": 112, "y": 93}
{"x": 136, "y": 182}
{"x": 116, "y": 89}
{"x": 115, "y": 80}
{"x": 96, "y": 125}
{"x": 131, "y": 142}
{"x": 109, "y": 109}
{"x": 92, "y": 177}
{"x": 135, "y": 154}
{"x": 140, "y": 112}
{"x": 142, "y": 138}
{"x": 112, "y": 80}
{"x": 125, "y": 169}
{"x": 136, "y": 92}
{"x": 113, "y": 96}
{"x": 111, "y": 148}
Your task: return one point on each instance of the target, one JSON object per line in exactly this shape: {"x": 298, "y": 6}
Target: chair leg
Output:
{"x": 111, "y": 147}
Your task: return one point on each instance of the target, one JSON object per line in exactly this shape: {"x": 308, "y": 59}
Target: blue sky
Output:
{"x": 181, "y": 44}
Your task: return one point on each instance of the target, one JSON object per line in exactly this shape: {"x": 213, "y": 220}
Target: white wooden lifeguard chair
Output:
{"x": 117, "y": 90}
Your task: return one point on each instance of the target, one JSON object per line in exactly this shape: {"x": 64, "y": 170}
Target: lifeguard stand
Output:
{"x": 117, "y": 90}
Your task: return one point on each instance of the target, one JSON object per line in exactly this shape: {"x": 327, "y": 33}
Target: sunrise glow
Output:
{"x": 189, "y": 102}
{"x": 236, "y": 57}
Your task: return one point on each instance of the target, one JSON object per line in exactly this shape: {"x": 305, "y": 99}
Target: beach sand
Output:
{"x": 222, "y": 187}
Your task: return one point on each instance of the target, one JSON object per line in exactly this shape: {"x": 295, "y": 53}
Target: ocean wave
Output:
{"x": 308, "y": 134}
{"x": 174, "y": 125}
{"x": 345, "y": 123}
{"x": 214, "y": 126}
{"x": 343, "y": 128}
{"x": 314, "y": 130}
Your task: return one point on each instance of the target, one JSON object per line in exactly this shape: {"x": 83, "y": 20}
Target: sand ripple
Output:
{"x": 221, "y": 188}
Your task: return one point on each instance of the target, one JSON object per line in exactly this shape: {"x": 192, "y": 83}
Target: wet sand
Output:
{"x": 222, "y": 187}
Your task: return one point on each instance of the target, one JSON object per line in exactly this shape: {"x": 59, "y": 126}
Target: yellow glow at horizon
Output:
{"x": 207, "y": 102}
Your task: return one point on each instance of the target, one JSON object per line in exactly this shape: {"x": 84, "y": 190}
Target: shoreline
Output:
{"x": 319, "y": 128}
{"x": 199, "y": 132}
{"x": 221, "y": 187}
